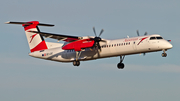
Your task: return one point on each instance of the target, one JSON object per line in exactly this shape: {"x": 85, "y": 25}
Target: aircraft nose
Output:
{"x": 166, "y": 45}
{"x": 169, "y": 45}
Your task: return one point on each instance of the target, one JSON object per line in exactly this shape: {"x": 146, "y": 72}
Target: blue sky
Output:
{"x": 150, "y": 77}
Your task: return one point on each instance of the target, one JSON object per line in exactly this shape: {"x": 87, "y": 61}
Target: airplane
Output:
{"x": 76, "y": 48}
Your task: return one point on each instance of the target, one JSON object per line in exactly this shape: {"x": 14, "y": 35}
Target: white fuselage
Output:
{"x": 110, "y": 48}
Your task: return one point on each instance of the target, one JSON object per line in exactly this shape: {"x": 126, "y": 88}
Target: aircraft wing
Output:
{"x": 59, "y": 37}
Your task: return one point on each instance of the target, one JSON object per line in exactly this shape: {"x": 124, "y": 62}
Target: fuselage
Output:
{"x": 110, "y": 48}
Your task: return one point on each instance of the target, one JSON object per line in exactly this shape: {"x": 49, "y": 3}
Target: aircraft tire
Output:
{"x": 120, "y": 66}
{"x": 164, "y": 54}
{"x": 76, "y": 63}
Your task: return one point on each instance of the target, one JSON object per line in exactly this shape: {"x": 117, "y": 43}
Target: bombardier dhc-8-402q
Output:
{"x": 76, "y": 49}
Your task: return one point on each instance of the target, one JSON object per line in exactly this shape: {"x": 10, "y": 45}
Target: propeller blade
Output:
{"x": 144, "y": 54}
{"x": 137, "y": 32}
{"x": 145, "y": 33}
{"x": 95, "y": 43}
{"x": 101, "y": 32}
{"x": 99, "y": 47}
{"x": 98, "y": 54}
{"x": 103, "y": 41}
{"x": 94, "y": 31}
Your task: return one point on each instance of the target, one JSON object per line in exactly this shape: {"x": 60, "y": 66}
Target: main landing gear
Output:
{"x": 164, "y": 54}
{"x": 120, "y": 65}
{"x": 76, "y": 63}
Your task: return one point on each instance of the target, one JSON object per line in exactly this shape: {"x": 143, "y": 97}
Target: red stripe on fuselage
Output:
{"x": 142, "y": 40}
{"x": 40, "y": 46}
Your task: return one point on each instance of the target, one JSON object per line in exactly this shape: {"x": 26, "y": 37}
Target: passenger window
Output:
{"x": 104, "y": 46}
{"x": 152, "y": 38}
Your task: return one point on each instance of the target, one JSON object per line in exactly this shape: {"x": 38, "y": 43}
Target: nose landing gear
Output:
{"x": 120, "y": 65}
{"x": 164, "y": 54}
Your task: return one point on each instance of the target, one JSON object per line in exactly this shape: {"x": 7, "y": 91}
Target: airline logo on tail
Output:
{"x": 32, "y": 37}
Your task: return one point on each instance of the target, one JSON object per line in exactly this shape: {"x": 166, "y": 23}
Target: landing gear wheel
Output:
{"x": 163, "y": 54}
{"x": 120, "y": 65}
{"x": 76, "y": 63}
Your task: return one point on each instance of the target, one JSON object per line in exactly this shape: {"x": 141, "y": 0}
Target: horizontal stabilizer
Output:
{"x": 29, "y": 23}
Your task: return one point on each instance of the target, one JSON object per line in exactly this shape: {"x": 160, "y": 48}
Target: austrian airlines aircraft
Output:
{"x": 76, "y": 49}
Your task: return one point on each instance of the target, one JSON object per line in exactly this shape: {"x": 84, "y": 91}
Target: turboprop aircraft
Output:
{"x": 76, "y": 49}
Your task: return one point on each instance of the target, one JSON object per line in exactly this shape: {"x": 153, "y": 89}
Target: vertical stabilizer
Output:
{"x": 36, "y": 41}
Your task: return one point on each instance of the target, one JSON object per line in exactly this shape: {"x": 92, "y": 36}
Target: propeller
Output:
{"x": 138, "y": 33}
{"x": 97, "y": 39}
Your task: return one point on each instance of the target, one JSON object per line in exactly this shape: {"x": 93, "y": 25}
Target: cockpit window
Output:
{"x": 152, "y": 38}
{"x": 159, "y": 37}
